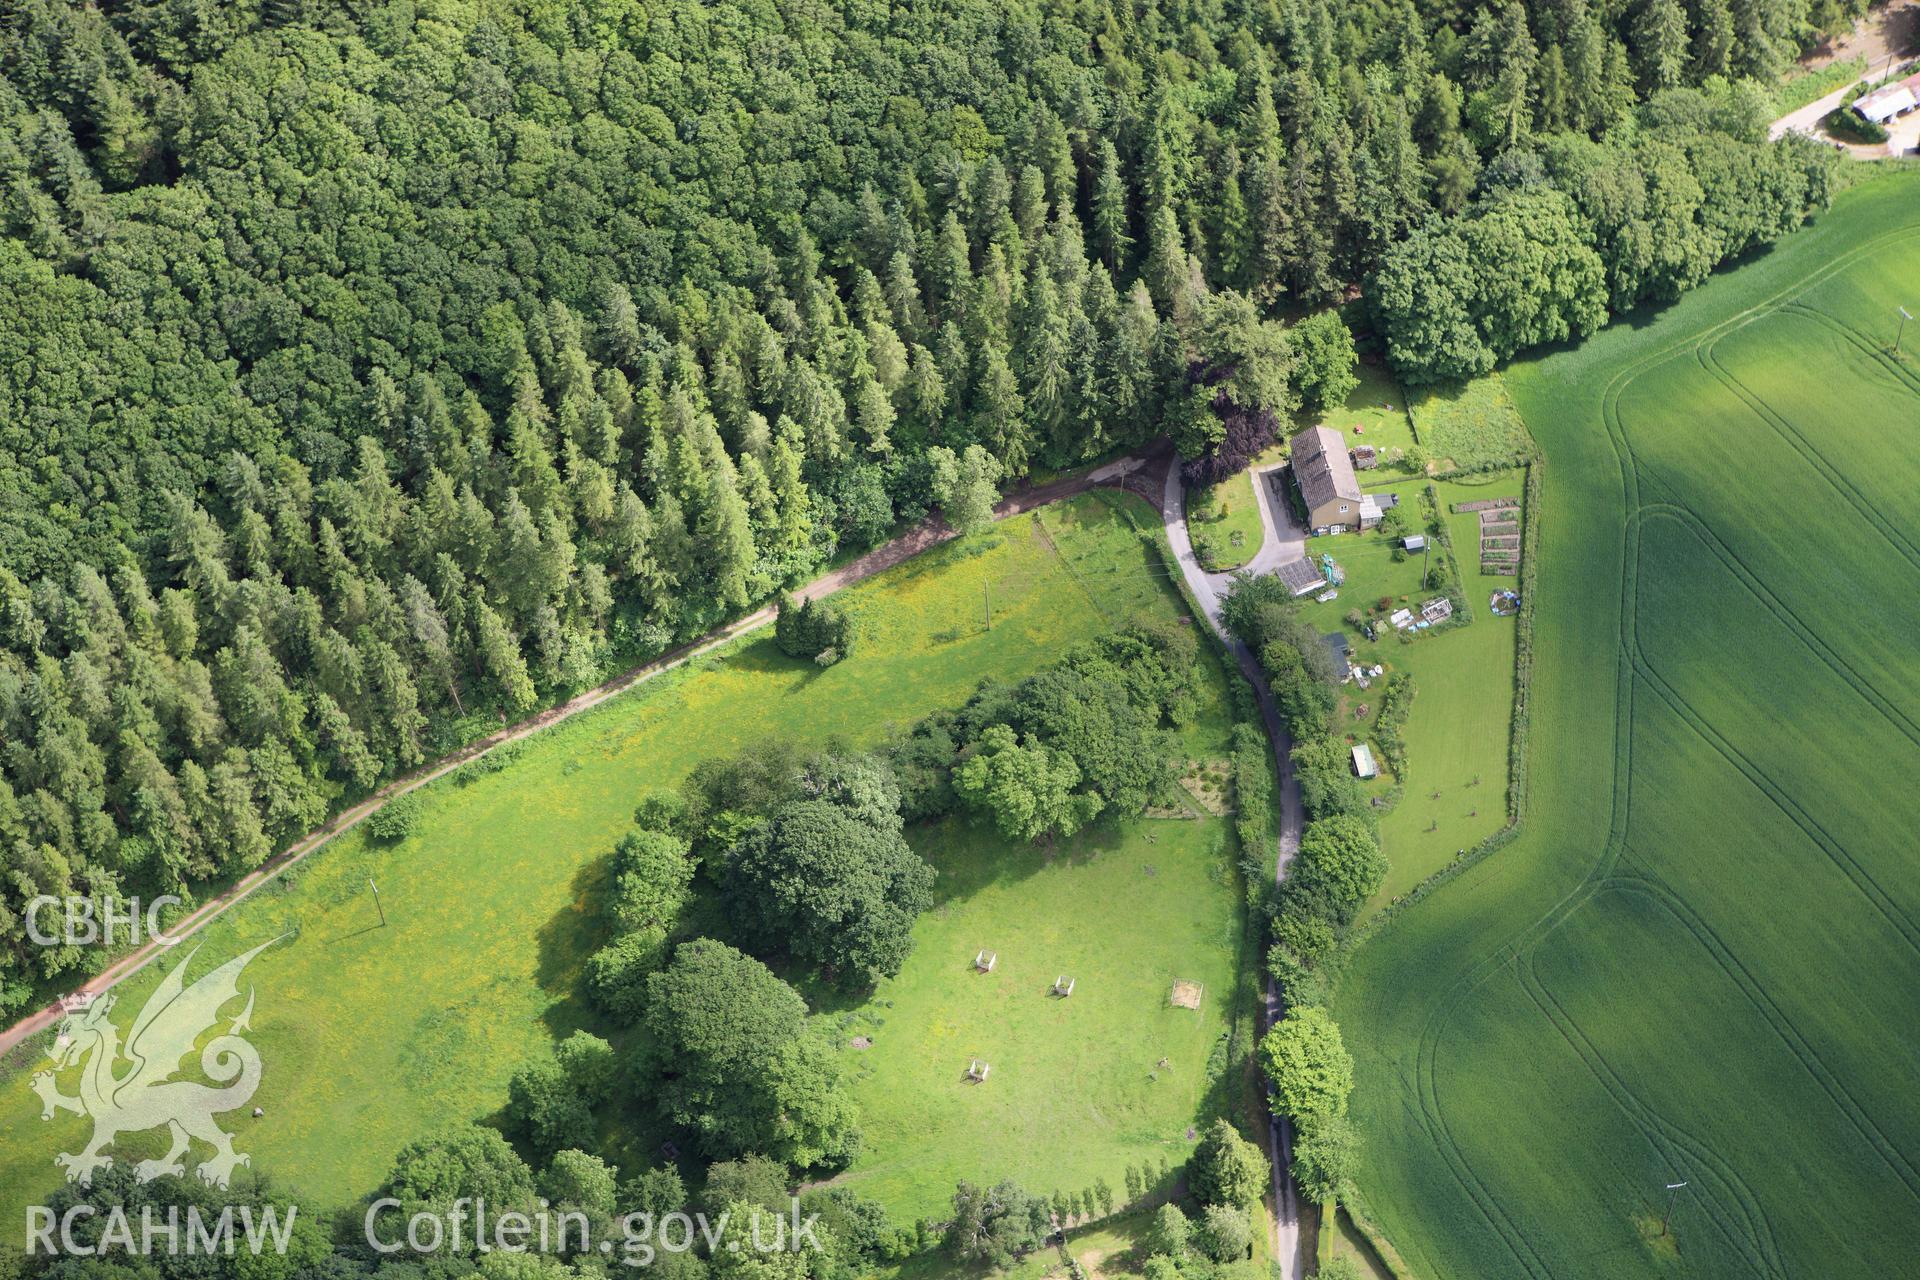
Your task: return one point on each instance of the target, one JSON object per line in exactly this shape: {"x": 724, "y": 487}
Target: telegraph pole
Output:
{"x": 986, "y": 600}
{"x": 376, "y": 901}
{"x": 1673, "y": 1193}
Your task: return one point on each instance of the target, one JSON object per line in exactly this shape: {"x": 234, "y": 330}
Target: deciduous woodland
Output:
{"x": 371, "y": 371}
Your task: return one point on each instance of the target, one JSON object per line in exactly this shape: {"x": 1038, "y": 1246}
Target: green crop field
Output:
{"x": 373, "y": 1036}
{"x": 1700, "y": 960}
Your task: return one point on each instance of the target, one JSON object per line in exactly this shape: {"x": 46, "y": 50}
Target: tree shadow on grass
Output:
{"x": 1650, "y": 311}
{"x": 629, "y": 1131}
{"x": 1902, "y": 30}
{"x": 971, "y": 856}
{"x": 565, "y": 942}
{"x": 763, "y": 657}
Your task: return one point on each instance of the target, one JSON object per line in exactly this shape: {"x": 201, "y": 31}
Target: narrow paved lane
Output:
{"x": 1210, "y": 590}
{"x": 1284, "y": 541}
{"x": 1807, "y": 120}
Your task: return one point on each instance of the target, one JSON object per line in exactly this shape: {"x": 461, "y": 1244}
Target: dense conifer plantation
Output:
{"x": 370, "y": 370}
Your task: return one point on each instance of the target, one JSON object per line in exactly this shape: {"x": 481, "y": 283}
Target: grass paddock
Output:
{"x": 372, "y": 1036}
{"x": 1078, "y": 1089}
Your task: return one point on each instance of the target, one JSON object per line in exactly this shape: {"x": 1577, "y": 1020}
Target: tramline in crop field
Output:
{"x": 1700, "y": 961}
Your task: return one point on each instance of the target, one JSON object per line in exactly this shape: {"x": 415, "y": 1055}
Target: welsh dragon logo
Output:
{"x": 143, "y": 1094}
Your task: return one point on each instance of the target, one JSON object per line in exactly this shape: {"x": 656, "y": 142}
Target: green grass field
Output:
{"x": 1224, "y": 522}
{"x": 1700, "y": 960}
{"x": 1076, "y": 1091}
{"x": 373, "y": 1036}
{"x": 1470, "y": 427}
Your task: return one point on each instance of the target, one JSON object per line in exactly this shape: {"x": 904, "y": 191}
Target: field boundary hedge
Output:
{"x": 1383, "y": 1250}
{"x": 1456, "y": 584}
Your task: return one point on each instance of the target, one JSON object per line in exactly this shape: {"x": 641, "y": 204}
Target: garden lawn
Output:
{"x": 1700, "y": 959}
{"x": 1224, "y": 522}
{"x": 373, "y": 1036}
{"x": 1457, "y": 731}
{"x": 1374, "y": 413}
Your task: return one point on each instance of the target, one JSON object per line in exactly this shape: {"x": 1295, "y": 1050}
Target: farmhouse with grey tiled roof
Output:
{"x": 1324, "y": 473}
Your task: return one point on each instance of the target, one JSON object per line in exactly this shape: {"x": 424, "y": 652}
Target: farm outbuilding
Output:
{"x": 1363, "y": 765}
{"x": 1414, "y": 542}
{"x": 1890, "y": 102}
{"x": 1300, "y": 577}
